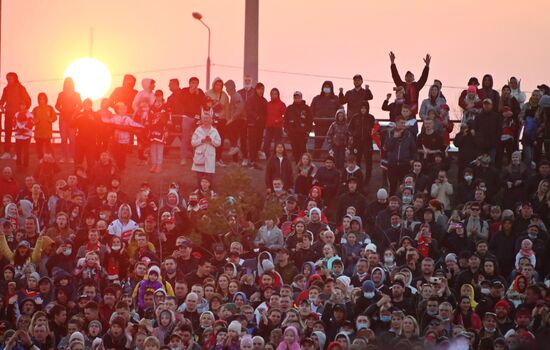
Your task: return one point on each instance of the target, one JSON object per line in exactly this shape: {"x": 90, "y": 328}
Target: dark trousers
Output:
{"x": 320, "y": 134}
{"x": 366, "y": 153}
{"x": 43, "y": 146}
{"x": 254, "y": 133}
{"x": 298, "y": 143}
{"x": 85, "y": 151}
{"x": 272, "y": 135}
{"x": 22, "y": 152}
{"x": 339, "y": 156}
{"x": 396, "y": 173}
{"x": 236, "y": 133}
{"x": 9, "y": 118}
{"x": 220, "y": 126}
{"x": 119, "y": 154}
{"x": 504, "y": 147}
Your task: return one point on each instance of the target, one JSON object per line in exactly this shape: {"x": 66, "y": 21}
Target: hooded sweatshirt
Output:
{"x": 220, "y": 99}
{"x": 14, "y": 94}
{"x": 338, "y": 134}
{"x": 487, "y": 91}
{"x": 147, "y": 94}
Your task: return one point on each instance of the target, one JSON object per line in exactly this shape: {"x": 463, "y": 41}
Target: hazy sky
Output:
{"x": 323, "y": 38}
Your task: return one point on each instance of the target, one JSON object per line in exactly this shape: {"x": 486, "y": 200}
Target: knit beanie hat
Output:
{"x": 235, "y": 326}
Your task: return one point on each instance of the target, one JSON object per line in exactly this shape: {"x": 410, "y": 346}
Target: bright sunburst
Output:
{"x": 91, "y": 77}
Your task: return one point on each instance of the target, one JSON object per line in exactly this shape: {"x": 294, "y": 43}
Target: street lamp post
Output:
{"x": 198, "y": 17}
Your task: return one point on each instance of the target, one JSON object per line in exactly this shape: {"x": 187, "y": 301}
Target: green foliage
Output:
{"x": 235, "y": 196}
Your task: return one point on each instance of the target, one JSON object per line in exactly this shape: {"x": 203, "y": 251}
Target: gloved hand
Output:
{"x": 331, "y": 152}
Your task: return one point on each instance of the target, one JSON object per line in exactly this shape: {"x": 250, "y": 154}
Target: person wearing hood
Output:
{"x": 166, "y": 321}
{"x": 236, "y": 122}
{"x": 412, "y": 87}
{"x": 488, "y": 126}
{"x": 275, "y": 111}
{"x": 123, "y": 226}
{"x": 434, "y": 102}
{"x": 352, "y": 197}
{"x": 256, "y": 110}
{"x": 361, "y": 127}
{"x": 68, "y": 104}
{"x": 319, "y": 338}
{"x": 517, "y": 93}
{"x": 125, "y": 93}
{"x": 323, "y": 109}
{"x": 338, "y": 137}
{"x": 147, "y": 94}
{"x": 335, "y": 313}
{"x": 487, "y": 91}
{"x": 220, "y": 108}
{"x": 13, "y": 96}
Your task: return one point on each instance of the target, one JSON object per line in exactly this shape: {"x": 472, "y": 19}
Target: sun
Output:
{"x": 91, "y": 77}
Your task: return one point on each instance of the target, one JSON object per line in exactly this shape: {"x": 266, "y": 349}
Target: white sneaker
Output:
{"x": 5, "y": 156}
{"x": 233, "y": 151}
{"x": 245, "y": 162}
{"x": 221, "y": 164}
{"x": 261, "y": 155}
{"x": 183, "y": 161}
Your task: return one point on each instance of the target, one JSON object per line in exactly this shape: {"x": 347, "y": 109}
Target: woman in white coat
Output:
{"x": 205, "y": 140}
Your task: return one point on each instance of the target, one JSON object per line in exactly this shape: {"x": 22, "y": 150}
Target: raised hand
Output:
{"x": 427, "y": 59}
{"x": 392, "y": 57}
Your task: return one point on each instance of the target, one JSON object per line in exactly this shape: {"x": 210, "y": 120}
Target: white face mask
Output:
{"x": 407, "y": 199}
{"x": 278, "y": 189}
{"x": 115, "y": 247}
{"x": 326, "y": 90}
{"x": 396, "y": 225}
{"x": 485, "y": 291}
{"x": 68, "y": 252}
{"x": 468, "y": 178}
{"x": 388, "y": 259}
{"x": 362, "y": 325}
{"x": 369, "y": 295}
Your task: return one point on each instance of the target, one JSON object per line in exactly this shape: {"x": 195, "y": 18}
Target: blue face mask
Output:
{"x": 385, "y": 318}
{"x": 326, "y": 90}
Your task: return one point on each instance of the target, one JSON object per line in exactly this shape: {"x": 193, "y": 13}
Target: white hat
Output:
{"x": 371, "y": 247}
{"x": 382, "y": 194}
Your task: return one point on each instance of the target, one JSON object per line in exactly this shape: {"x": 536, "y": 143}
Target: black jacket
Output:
{"x": 354, "y": 98}
{"x": 488, "y": 126}
{"x": 256, "y": 109}
{"x": 278, "y": 169}
{"x": 298, "y": 120}
{"x": 361, "y": 130}
{"x": 355, "y": 199}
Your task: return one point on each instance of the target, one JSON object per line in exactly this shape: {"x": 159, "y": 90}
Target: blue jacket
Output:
{"x": 402, "y": 149}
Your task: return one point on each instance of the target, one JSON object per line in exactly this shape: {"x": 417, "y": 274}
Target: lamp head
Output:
{"x": 197, "y": 15}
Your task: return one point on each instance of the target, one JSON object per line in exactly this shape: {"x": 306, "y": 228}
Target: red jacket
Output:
{"x": 9, "y": 187}
{"x": 274, "y": 116}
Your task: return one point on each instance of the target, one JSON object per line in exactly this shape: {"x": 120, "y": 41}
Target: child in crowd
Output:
{"x": 124, "y": 125}
{"x": 338, "y": 137}
{"x": 157, "y": 132}
{"x": 24, "y": 125}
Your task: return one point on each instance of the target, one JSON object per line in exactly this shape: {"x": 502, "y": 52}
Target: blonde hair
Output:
{"x": 151, "y": 341}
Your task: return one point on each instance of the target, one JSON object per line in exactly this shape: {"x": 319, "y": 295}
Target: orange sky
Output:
{"x": 326, "y": 38}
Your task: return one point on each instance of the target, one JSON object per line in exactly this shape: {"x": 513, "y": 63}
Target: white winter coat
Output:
{"x": 209, "y": 149}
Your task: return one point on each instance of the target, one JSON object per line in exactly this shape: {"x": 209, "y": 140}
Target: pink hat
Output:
{"x": 472, "y": 88}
